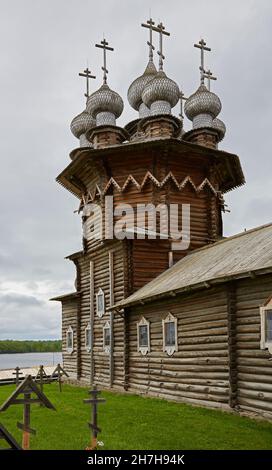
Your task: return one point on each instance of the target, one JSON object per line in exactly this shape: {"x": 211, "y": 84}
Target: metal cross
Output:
{"x": 150, "y": 25}
{"x": 208, "y": 74}
{"x": 87, "y": 74}
{"x": 203, "y": 47}
{"x": 105, "y": 46}
{"x": 161, "y": 30}
{"x": 182, "y": 98}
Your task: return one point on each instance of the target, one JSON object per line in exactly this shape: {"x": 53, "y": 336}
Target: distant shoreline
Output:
{"x": 29, "y": 352}
{"x": 29, "y": 346}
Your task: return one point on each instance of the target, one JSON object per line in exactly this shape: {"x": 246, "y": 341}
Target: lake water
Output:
{"x": 9, "y": 361}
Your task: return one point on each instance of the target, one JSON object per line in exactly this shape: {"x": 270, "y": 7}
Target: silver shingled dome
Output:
{"x": 202, "y": 101}
{"x": 105, "y": 100}
{"x": 161, "y": 88}
{"x": 81, "y": 124}
{"x": 220, "y": 127}
{"x": 136, "y": 88}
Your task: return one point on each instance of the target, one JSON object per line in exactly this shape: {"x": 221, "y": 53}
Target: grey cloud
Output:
{"x": 43, "y": 46}
{"x": 20, "y": 300}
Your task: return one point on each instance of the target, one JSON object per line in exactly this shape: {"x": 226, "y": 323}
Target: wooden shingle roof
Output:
{"x": 243, "y": 255}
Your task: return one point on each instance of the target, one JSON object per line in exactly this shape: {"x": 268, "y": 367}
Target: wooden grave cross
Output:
{"x": 94, "y": 401}
{"x": 27, "y": 388}
{"x": 6, "y": 436}
{"x": 42, "y": 379}
{"x": 60, "y": 372}
{"x": 17, "y": 374}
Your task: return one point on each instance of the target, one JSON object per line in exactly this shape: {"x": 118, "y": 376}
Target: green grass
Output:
{"x": 132, "y": 422}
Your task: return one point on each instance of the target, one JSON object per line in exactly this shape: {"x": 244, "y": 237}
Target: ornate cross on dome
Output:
{"x": 209, "y": 75}
{"x": 203, "y": 47}
{"x": 105, "y": 46}
{"x": 161, "y": 30}
{"x": 182, "y": 98}
{"x": 87, "y": 74}
{"x": 150, "y": 25}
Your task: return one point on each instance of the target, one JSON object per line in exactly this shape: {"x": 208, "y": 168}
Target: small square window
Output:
{"x": 143, "y": 336}
{"x": 170, "y": 334}
{"x": 100, "y": 303}
{"x": 88, "y": 338}
{"x": 70, "y": 340}
{"x": 266, "y": 326}
{"x": 107, "y": 337}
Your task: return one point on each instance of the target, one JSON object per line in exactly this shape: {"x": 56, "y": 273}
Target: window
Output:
{"x": 143, "y": 336}
{"x": 170, "y": 335}
{"x": 107, "y": 337}
{"x": 88, "y": 337}
{"x": 70, "y": 340}
{"x": 100, "y": 303}
{"x": 266, "y": 326}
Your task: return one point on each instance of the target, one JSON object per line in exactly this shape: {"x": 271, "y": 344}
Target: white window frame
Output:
{"x": 143, "y": 349}
{"x": 107, "y": 347}
{"x": 68, "y": 332}
{"x": 167, "y": 348}
{"x": 264, "y": 344}
{"x": 88, "y": 347}
{"x": 100, "y": 313}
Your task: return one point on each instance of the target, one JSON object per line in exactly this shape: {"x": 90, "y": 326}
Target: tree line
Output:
{"x": 13, "y": 346}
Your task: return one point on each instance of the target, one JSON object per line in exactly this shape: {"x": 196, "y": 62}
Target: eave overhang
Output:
{"x": 230, "y": 163}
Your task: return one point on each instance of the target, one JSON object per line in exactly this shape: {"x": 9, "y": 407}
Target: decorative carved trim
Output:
{"x": 98, "y": 192}
{"x": 107, "y": 347}
{"x": 143, "y": 349}
{"x": 170, "y": 349}
{"x": 264, "y": 343}
{"x": 69, "y": 332}
{"x": 100, "y": 312}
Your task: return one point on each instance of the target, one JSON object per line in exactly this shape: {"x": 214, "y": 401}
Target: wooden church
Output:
{"x": 189, "y": 320}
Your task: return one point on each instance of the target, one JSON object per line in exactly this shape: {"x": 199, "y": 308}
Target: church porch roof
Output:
{"x": 247, "y": 254}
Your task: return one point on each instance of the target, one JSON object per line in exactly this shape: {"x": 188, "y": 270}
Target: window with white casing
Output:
{"x": 70, "y": 340}
{"x": 170, "y": 334}
{"x": 88, "y": 337}
{"x": 100, "y": 303}
{"x": 143, "y": 336}
{"x": 266, "y": 326}
{"x": 106, "y": 337}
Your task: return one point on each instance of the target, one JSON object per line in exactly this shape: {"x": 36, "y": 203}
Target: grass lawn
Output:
{"x": 132, "y": 422}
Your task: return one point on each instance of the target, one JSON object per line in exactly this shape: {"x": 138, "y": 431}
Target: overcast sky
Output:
{"x": 43, "y": 46}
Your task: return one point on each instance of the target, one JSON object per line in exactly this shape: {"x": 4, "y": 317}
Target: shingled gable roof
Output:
{"x": 235, "y": 257}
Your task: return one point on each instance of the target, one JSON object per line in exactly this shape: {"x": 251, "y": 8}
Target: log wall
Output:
{"x": 199, "y": 371}
{"x": 254, "y": 368}
{"x": 69, "y": 318}
{"x": 103, "y": 363}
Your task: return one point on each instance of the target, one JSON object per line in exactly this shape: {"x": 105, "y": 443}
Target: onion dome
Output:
{"x": 80, "y": 125}
{"x": 202, "y": 107}
{"x": 161, "y": 94}
{"x": 136, "y": 89}
{"x": 220, "y": 127}
{"x": 105, "y": 105}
